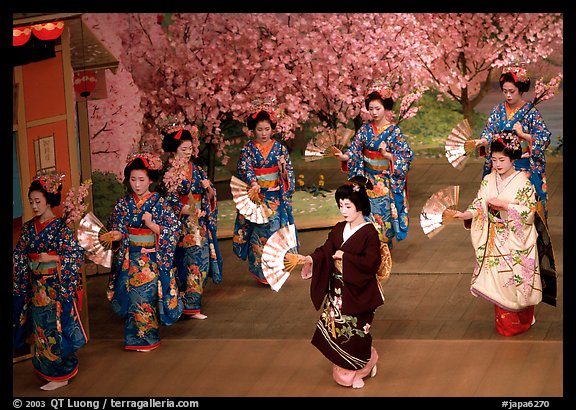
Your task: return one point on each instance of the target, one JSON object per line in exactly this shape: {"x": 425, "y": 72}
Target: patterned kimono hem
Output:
{"x": 147, "y": 347}
{"x": 68, "y": 376}
{"x": 500, "y": 305}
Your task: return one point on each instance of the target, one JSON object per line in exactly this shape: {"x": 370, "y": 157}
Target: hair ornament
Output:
{"x": 518, "y": 71}
{"x": 268, "y": 105}
{"x": 509, "y": 140}
{"x": 169, "y": 125}
{"x": 382, "y": 87}
{"x": 355, "y": 187}
{"x": 151, "y": 161}
{"x": 51, "y": 181}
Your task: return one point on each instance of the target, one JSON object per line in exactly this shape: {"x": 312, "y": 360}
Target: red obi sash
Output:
{"x": 267, "y": 177}
{"x": 185, "y": 199}
{"x": 376, "y": 162}
{"x": 143, "y": 237}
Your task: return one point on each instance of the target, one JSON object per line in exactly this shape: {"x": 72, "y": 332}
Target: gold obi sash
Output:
{"x": 267, "y": 177}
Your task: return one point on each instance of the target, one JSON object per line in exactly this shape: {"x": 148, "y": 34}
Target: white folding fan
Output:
{"x": 91, "y": 236}
{"x": 254, "y": 209}
{"x": 325, "y": 144}
{"x": 439, "y": 209}
{"x": 459, "y": 146}
{"x": 279, "y": 256}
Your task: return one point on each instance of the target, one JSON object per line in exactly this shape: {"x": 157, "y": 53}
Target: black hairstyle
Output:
{"x": 507, "y": 145}
{"x": 260, "y": 116}
{"x": 355, "y": 191}
{"x": 169, "y": 141}
{"x": 523, "y": 86}
{"x": 51, "y": 199}
{"x": 138, "y": 163}
{"x": 388, "y": 102}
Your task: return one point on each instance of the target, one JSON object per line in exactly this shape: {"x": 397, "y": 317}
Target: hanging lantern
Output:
{"x": 85, "y": 82}
{"x": 20, "y": 35}
{"x": 48, "y": 31}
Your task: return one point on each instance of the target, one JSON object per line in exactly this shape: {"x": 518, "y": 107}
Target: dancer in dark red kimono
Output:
{"x": 344, "y": 284}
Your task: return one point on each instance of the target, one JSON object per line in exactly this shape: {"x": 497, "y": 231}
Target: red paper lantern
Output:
{"x": 85, "y": 82}
{"x": 48, "y": 31}
{"x": 20, "y": 35}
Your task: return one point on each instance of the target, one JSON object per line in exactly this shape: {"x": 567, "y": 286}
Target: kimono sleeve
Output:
{"x": 20, "y": 290}
{"x": 540, "y": 135}
{"x": 355, "y": 154}
{"x": 322, "y": 267}
{"x": 245, "y": 166}
{"x": 71, "y": 258}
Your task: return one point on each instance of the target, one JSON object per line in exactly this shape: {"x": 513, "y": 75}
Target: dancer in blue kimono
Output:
{"x": 193, "y": 199}
{"x": 520, "y": 117}
{"x": 264, "y": 165}
{"x": 46, "y": 276}
{"x": 379, "y": 151}
{"x": 142, "y": 286}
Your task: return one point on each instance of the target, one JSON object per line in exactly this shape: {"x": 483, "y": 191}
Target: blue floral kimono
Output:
{"x": 197, "y": 256}
{"x": 502, "y": 119}
{"x": 389, "y": 198}
{"x": 142, "y": 285}
{"x": 261, "y": 164}
{"x": 45, "y": 297}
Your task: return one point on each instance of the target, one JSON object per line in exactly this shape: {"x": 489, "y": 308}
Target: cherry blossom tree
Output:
{"x": 463, "y": 50}
{"x": 115, "y": 122}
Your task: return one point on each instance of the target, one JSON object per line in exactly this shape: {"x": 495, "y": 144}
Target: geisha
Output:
{"x": 379, "y": 151}
{"x": 264, "y": 165}
{"x": 193, "y": 199}
{"x": 501, "y": 221}
{"x": 46, "y": 276}
{"x": 142, "y": 285}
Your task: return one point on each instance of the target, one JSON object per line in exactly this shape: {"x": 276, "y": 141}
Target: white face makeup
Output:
{"x": 349, "y": 211}
{"x": 502, "y": 163}
{"x": 511, "y": 94}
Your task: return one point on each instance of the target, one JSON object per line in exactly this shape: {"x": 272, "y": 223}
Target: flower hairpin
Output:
{"x": 381, "y": 87}
{"x": 510, "y": 141}
{"x": 170, "y": 125}
{"x": 267, "y": 105}
{"x": 355, "y": 187}
{"x": 51, "y": 181}
{"x": 151, "y": 161}
{"x": 518, "y": 71}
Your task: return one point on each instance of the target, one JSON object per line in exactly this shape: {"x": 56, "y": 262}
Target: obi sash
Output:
{"x": 267, "y": 177}
{"x": 141, "y": 238}
{"x": 375, "y": 163}
{"x": 185, "y": 199}
{"x": 42, "y": 268}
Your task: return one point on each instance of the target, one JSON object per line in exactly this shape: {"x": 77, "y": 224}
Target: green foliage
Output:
{"x": 428, "y": 129}
{"x": 106, "y": 190}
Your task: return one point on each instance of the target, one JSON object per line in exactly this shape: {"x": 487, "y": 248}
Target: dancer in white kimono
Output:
{"x": 501, "y": 223}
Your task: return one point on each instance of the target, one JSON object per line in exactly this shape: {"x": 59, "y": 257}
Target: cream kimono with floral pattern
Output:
{"x": 506, "y": 271}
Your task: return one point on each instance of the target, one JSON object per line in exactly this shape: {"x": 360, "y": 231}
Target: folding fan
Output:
{"x": 459, "y": 146}
{"x": 92, "y": 237}
{"x": 439, "y": 209}
{"x": 325, "y": 144}
{"x": 252, "y": 207}
{"x": 279, "y": 256}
